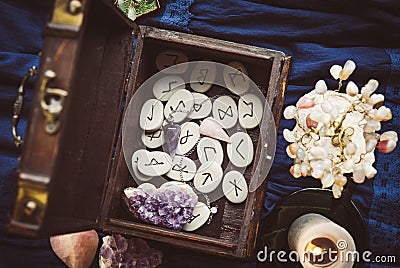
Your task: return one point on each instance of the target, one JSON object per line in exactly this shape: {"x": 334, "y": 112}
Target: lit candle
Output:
{"x": 319, "y": 242}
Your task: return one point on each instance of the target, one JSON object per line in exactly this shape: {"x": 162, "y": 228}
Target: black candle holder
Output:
{"x": 342, "y": 211}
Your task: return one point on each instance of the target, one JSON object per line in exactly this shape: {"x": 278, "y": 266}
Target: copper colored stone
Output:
{"x": 76, "y": 250}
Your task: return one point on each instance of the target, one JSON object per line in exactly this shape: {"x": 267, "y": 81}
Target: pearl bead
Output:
{"x": 320, "y": 87}
{"x": 358, "y": 175}
{"x": 386, "y": 146}
{"x": 327, "y": 180}
{"x": 305, "y": 103}
{"x": 318, "y": 153}
{"x": 389, "y": 135}
{"x": 340, "y": 180}
{"x": 347, "y": 70}
{"x": 351, "y": 89}
{"x": 350, "y": 149}
{"x": 289, "y": 112}
{"x": 369, "y": 88}
{"x": 300, "y": 154}
{"x": 369, "y": 171}
{"x": 335, "y": 71}
{"x": 295, "y": 171}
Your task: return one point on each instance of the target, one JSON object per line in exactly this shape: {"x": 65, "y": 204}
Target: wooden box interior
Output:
{"x": 232, "y": 231}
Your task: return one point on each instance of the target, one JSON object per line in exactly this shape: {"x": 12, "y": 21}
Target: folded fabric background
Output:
{"x": 316, "y": 34}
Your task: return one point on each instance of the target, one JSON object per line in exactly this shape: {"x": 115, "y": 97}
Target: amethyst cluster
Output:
{"x": 119, "y": 252}
{"x": 170, "y": 206}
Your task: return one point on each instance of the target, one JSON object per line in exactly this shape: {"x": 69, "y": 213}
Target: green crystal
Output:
{"x": 134, "y": 9}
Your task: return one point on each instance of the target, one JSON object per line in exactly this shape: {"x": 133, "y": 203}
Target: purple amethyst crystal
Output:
{"x": 170, "y": 206}
{"x": 120, "y": 242}
{"x": 134, "y": 253}
{"x": 171, "y": 136}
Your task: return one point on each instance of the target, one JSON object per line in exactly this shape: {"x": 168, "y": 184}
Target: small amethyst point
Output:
{"x": 171, "y": 135}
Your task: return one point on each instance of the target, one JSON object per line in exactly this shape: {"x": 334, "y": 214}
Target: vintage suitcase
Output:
{"x": 72, "y": 172}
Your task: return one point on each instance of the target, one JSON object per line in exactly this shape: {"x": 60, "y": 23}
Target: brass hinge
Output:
{"x": 68, "y": 15}
{"x": 31, "y": 204}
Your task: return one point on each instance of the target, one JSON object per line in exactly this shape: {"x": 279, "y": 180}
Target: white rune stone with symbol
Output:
{"x": 190, "y": 134}
{"x": 225, "y": 111}
{"x": 135, "y": 158}
{"x": 151, "y": 115}
{"x": 154, "y": 163}
{"x": 236, "y": 79}
{"x": 153, "y": 139}
{"x": 210, "y": 150}
{"x": 201, "y": 213}
{"x": 202, "y": 106}
{"x": 170, "y": 58}
{"x": 164, "y": 88}
{"x": 208, "y": 177}
{"x": 179, "y": 105}
{"x": 235, "y": 187}
{"x": 250, "y": 111}
{"x": 240, "y": 151}
{"x": 203, "y": 76}
{"x": 183, "y": 168}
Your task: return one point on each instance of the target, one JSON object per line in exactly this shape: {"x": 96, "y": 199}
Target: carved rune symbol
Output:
{"x": 202, "y": 77}
{"x": 233, "y": 76}
{"x": 193, "y": 218}
{"x": 185, "y": 138}
{"x": 197, "y": 107}
{"x": 234, "y": 183}
{"x": 169, "y": 86}
{"x": 150, "y": 117}
{"x": 177, "y": 167}
{"x": 209, "y": 148}
{"x": 154, "y": 162}
{"x": 174, "y": 61}
{"x": 177, "y": 107}
{"x": 251, "y": 106}
{"x": 208, "y": 176}
{"x": 153, "y": 135}
{"x": 223, "y": 113}
{"x": 237, "y": 149}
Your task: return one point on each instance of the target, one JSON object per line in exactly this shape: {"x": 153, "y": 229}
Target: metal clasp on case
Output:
{"x": 51, "y": 102}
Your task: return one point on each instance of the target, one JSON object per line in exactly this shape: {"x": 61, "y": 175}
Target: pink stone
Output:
{"x": 305, "y": 103}
{"x": 311, "y": 123}
{"x": 386, "y": 146}
{"x": 211, "y": 128}
{"x": 76, "y": 249}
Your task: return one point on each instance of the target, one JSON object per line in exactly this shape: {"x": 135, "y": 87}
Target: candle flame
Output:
{"x": 314, "y": 249}
{"x": 317, "y": 251}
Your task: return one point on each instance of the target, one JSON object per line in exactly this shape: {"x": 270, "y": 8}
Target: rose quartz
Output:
{"x": 76, "y": 250}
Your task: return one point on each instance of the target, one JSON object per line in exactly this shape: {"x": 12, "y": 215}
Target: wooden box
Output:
{"x": 72, "y": 172}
